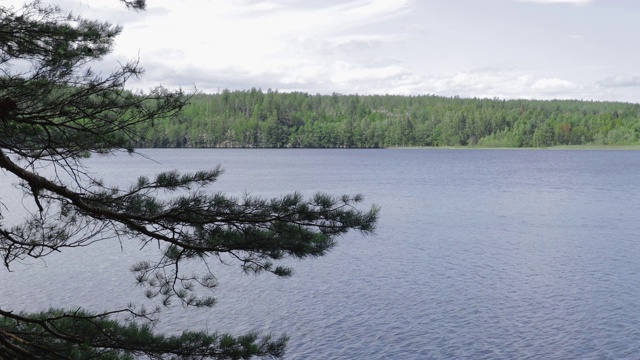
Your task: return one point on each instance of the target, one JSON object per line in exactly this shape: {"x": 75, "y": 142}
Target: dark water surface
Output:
{"x": 479, "y": 254}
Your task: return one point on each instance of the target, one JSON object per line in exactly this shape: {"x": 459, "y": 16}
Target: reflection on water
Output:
{"x": 478, "y": 255}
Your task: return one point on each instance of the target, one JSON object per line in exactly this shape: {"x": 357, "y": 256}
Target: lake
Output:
{"x": 479, "y": 254}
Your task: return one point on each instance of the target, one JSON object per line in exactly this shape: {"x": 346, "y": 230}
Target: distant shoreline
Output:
{"x": 559, "y": 147}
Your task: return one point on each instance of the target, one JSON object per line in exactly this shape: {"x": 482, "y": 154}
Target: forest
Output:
{"x": 257, "y": 119}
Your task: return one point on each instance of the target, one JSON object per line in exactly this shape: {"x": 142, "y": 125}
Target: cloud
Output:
{"x": 257, "y": 6}
{"x": 552, "y": 85}
{"x": 331, "y": 48}
{"x": 344, "y": 73}
{"x": 618, "y": 81}
{"x": 364, "y": 77}
{"x": 299, "y": 46}
{"x": 312, "y": 77}
{"x": 360, "y": 42}
{"x": 363, "y": 46}
{"x": 573, "y": 2}
{"x": 113, "y": 11}
{"x": 504, "y": 84}
{"x": 371, "y": 8}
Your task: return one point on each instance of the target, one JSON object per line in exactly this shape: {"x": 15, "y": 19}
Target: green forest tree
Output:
{"x": 279, "y": 119}
{"x": 55, "y": 112}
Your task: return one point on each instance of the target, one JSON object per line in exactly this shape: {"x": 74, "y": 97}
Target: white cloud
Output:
{"x": 552, "y": 85}
{"x": 380, "y": 46}
{"x": 620, "y": 81}
{"x": 262, "y": 6}
{"x": 573, "y": 2}
{"x": 344, "y": 73}
{"x": 215, "y": 36}
{"x": 276, "y": 44}
{"x": 359, "y": 41}
{"x": 504, "y": 84}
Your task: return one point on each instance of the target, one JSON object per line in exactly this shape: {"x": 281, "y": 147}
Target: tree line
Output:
{"x": 253, "y": 118}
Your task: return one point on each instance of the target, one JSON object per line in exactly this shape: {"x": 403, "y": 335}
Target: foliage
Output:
{"x": 54, "y": 112}
{"x": 254, "y": 118}
{"x": 81, "y": 335}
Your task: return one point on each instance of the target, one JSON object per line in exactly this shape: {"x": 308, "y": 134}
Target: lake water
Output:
{"x": 479, "y": 254}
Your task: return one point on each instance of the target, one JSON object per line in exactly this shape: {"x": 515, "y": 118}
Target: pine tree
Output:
{"x": 54, "y": 113}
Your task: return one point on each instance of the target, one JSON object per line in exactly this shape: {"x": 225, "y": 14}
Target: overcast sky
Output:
{"x": 541, "y": 49}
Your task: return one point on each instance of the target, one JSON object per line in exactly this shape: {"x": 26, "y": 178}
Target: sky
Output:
{"x": 531, "y": 49}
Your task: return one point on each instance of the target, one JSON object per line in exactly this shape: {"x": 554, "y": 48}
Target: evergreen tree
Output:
{"x": 54, "y": 112}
